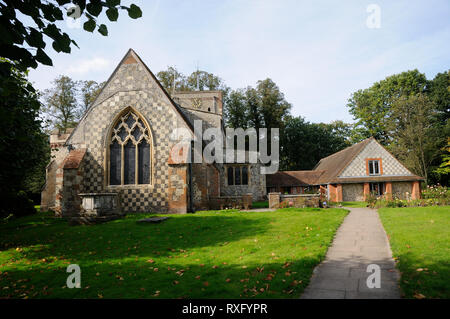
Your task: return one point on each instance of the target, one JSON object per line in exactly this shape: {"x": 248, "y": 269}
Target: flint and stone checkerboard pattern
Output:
{"x": 391, "y": 166}
{"x": 130, "y": 86}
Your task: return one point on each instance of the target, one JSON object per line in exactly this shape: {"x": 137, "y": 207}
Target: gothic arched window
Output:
{"x": 129, "y": 151}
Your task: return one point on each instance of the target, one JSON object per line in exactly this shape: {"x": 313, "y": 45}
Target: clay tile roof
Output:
{"x": 293, "y": 178}
{"x": 335, "y": 163}
{"x": 73, "y": 160}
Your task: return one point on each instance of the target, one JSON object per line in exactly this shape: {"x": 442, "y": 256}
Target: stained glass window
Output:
{"x": 129, "y": 151}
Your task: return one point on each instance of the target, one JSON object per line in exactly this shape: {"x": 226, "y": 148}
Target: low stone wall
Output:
{"x": 232, "y": 202}
{"x": 276, "y": 200}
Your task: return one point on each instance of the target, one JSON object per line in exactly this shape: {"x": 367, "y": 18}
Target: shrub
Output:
{"x": 18, "y": 204}
{"x": 371, "y": 200}
{"x": 432, "y": 196}
{"x": 439, "y": 195}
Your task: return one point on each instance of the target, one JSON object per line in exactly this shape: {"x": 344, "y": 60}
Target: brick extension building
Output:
{"x": 351, "y": 174}
{"x": 123, "y": 144}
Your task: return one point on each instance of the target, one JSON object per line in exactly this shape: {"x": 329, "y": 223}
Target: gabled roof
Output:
{"x": 293, "y": 178}
{"x": 330, "y": 168}
{"x": 334, "y": 164}
{"x": 129, "y": 58}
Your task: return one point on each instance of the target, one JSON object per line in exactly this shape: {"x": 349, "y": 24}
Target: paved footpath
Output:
{"x": 359, "y": 242}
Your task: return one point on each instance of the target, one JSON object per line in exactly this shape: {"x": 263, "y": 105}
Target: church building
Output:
{"x": 123, "y": 145}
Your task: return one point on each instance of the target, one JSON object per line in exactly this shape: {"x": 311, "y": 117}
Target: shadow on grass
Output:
{"x": 112, "y": 240}
{"x": 432, "y": 280}
{"x": 207, "y": 255}
{"x": 272, "y": 279}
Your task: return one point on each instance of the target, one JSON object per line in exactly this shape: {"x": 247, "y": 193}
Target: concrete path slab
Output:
{"x": 359, "y": 242}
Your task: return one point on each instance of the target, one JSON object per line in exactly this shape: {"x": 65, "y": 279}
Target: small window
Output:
{"x": 244, "y": 175}
{"x": 237, "y": 175}
{"x": 374, "y": 167}
{"x": 230, "y": 174}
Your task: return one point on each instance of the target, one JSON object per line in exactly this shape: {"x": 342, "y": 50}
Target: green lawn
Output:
{"x": 261, "y": 204}
{"x": 420, "y": 239}
{"x": 203, "y": 255}
{"x": 354, "y": 204}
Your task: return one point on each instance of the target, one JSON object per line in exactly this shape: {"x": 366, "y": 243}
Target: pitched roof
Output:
{"x": 293, "y": 178}
{"x": 334, "y": 164}
{"x": 329, "y": 168}
{"x": 130, "y": 58}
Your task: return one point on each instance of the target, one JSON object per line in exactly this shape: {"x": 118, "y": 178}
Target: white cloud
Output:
{"x": 88, "y": 65}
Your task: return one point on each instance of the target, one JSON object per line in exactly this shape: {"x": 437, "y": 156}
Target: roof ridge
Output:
{"x": 347, "y": 148}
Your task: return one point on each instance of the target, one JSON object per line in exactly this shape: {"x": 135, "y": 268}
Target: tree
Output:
{"x": 371, "y": 107}
{"x": 253, "y": 106}
{"x": 444, "y": 168}
{"x": 89, "y": 90}
{"x": 303, "y": 144}
{"x": 204, "y": 80}
{"x": 439, "y": 93}
{"x": 23, "y": 145}
{"x": 341, "y": 130}
{"x": 61, "y": 103}
{"x": 273, "y": 106}
{"x": 170, "y": 77}
{"x": 23, "y": 24}
{"x": 235, "y": 112}
{"x": 411, "y": 130}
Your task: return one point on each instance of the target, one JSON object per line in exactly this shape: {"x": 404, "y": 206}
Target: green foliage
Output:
{"x": 372, "y": 107}
{"x": 410, "y": 128}
{"x": 419, "y": 240}
{"x": 371, "y": 199}
{"x": 22, "y": 34}
{"x": 202, "y": 255}
{"x": 410, "y": 115}
{"x": 444, "y": 167}
{"x": 273, "y": 106}
{"x": 438, "y": 192}
{"x": 315, "y": 141}
{"x": 88, "y": 92}
{"x": 173, "y": 80}
{"x": 23, "y": 145}
{"x": 431, "y": 196}
{"x": 439, "y": 93}
{"x": 236, "y": 113}
{"x": 61, "y": 102}
{"x": 205, "y": 81}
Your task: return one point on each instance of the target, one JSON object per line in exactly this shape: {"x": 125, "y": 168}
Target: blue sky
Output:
{"x": 318, "y": 52}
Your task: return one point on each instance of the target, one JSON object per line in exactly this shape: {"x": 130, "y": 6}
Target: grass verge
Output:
{"x": 420, "y": 241}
